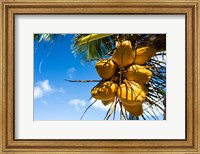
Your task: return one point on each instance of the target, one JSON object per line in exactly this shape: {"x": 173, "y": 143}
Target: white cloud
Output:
{"x": 99, "y": 105}
{"x": 44, "y": 88}
{"x": 78, "y": 103}
{"x": 61, "y": 90}
{"x": 38, "y": 92}
{"x": 70, "y": 72}
{"x": 44, "y": 102}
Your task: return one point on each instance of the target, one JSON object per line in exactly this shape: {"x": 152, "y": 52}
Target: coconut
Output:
{"x": 123, "y": 55}
{"x": 106, "y": 68}
{"x": 138, "y": 73}
{"x": 105, "y": 103}
{"x": 144, "y": 88}
{"x": 135, "y": 110}
{"x": 104, "y": 91}
{"x": 131, "y": 93}
{"x": 144, "y": 54}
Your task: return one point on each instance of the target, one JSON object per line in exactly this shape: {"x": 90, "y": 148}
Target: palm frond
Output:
{"x": 93, "y": 50}
{"x": 91, "y": 37}
{"x": 47, "y": 37}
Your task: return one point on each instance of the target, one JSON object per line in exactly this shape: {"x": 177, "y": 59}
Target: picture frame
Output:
{"x": 7, "y": 76}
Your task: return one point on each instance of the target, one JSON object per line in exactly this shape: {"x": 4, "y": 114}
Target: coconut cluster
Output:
{"x": 123, "y": 77}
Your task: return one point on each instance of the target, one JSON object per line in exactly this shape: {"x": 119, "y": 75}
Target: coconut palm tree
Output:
{"x": 94, "y": 47}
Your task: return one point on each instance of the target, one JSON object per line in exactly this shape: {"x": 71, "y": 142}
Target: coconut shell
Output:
{"x": 123, "y": 55}
{"x": 138, "y": 74}
{"x": 144, "y": 88}
{"x": 106, "y": 68}
{"x": 144, "y": 54}
{"x": 135, "y": 110}
{"x": 105, "y": 103}
{"x": 131, "y": 94}
{"x": 105, "y": 91}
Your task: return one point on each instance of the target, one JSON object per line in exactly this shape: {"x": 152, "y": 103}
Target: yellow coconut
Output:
{"x": 144, "y": 54}
{"x": 105, "y": 103}
{"x": 135, "y": 110}
{"x": 104, "y": 91}
{"x": 123, "y": 55}
{"x": 138, "y": 73}
{"x": 144, "y": 88}
{"x": 131, "y": 93}
{"x": 106, "y": 68}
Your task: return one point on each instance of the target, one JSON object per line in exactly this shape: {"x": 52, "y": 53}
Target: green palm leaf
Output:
{"x": 92, "y": 50}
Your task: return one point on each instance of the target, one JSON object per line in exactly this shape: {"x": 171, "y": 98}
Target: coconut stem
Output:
{"x": 87, "y": 109}
{"x": 107, "y": 114}
{"x": 122, "y": 114}
{"x": 134, "y": 52}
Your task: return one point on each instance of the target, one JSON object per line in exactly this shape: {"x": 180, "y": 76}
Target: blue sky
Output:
{"x": 54, "y": 98}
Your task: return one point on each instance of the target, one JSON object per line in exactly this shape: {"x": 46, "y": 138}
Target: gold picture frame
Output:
{"x": 9, "y": 8}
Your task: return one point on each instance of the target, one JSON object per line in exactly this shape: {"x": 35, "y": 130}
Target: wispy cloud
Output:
{"x": 41, "y": 62}
{"x": 43, "y": 88}
{"x": 44, "y": 101}
{"x": 99, "y": 105}
{"x": 70, "y": 72}
{"x": 78, "y": 103}
{"x": 38, "y": 92}
{"x": 61, "y": 90}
